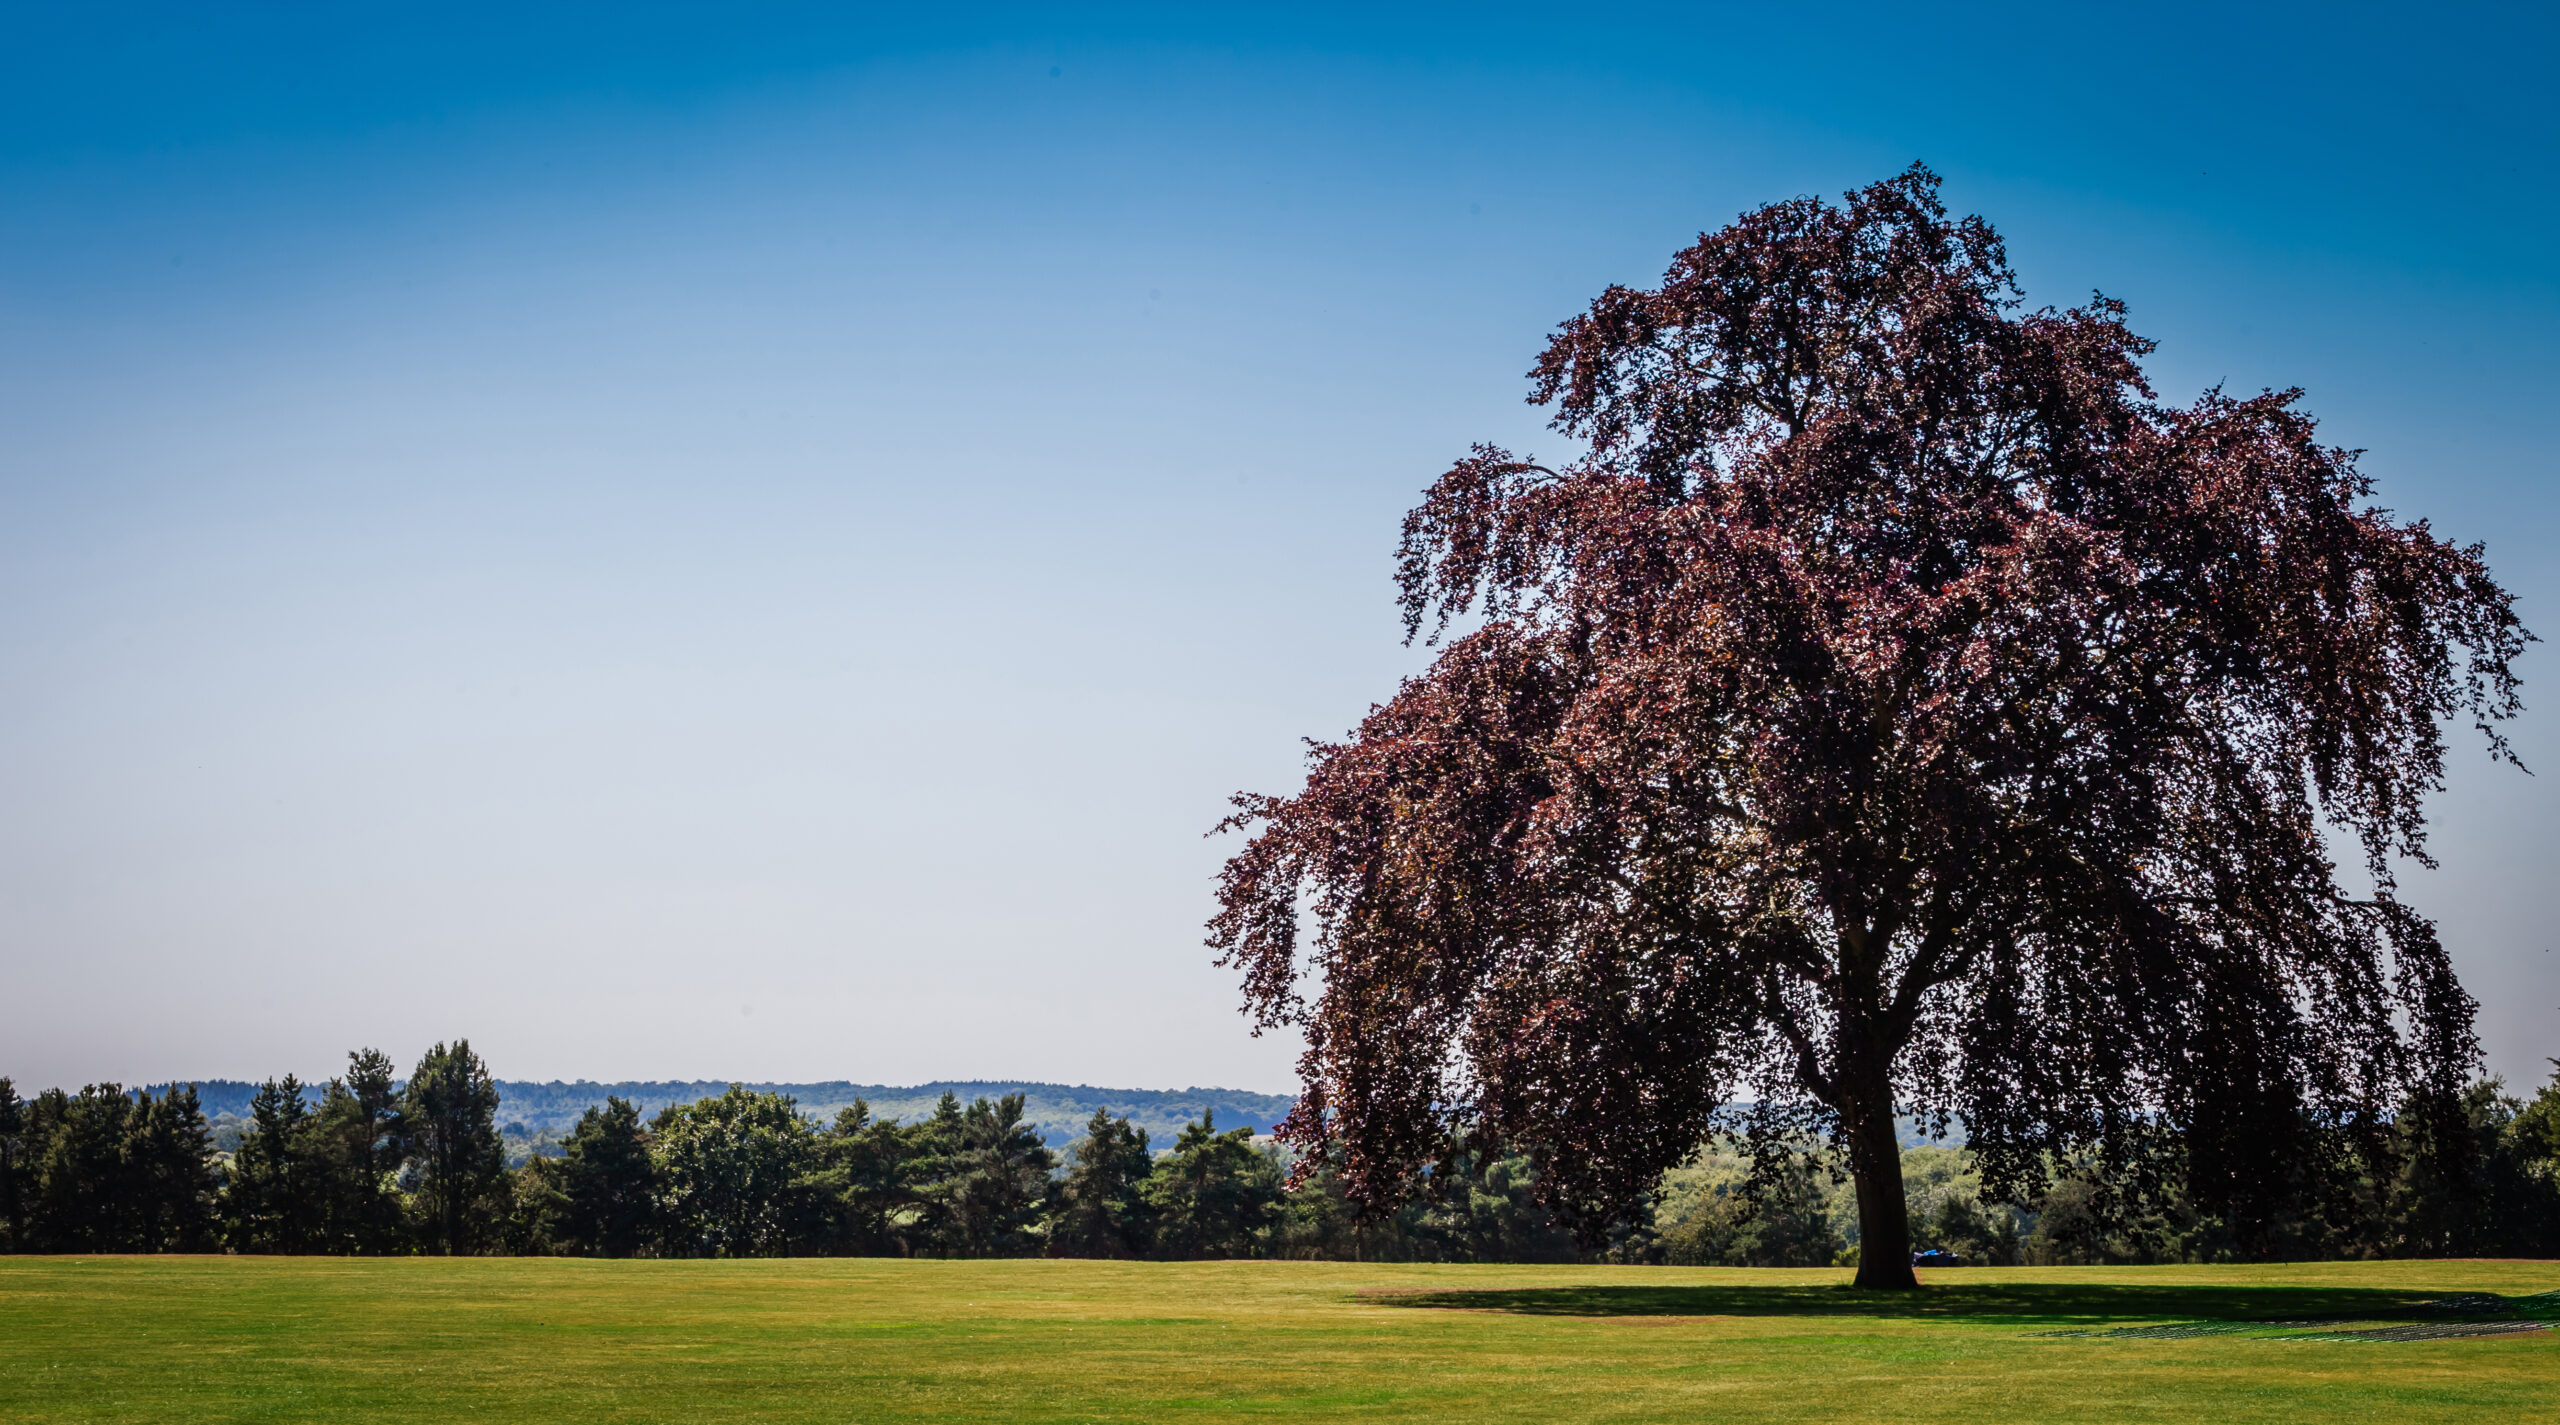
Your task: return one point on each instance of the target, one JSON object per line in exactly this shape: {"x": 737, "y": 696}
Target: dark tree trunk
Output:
{"x": 1875, "y": 1160}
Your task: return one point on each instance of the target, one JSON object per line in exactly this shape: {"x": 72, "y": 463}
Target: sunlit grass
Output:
{"x": 212, "y": 1339}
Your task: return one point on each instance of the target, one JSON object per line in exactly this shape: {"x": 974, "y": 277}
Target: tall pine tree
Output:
{"x": 449, "y": 1117}
{"x": 1214, "y": 1195}
{"x": 1103, "y": 1209}
{"x": 13, "y": 1169}
{"x": 274, "y": 1203}
{"x": 354, "y": 1149}
{"x": 998, "y": 1190}
{"x": 608, "y": 1184}
{"x": 79, "y": 1180}
{"x": 174, "y": 1187}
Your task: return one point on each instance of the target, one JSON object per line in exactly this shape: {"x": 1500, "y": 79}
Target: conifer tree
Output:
{"x": 175, "y": 1203}
{"x": 932, "y": 1169}
{"x": 356, "y": 1151}
{"x": 82, "y": 1192}
{"x": 449, "y": 1119}
{"x": 866, "y": 1180}
{"x": 275, "y": 1203}
{"x": 607, "y": 1182}
{"x": 1102, "y": 1207}
{"x": 1214, "y": 1195}
{"x": 13, "y": 1169}
{"x": 997, "y": 1190}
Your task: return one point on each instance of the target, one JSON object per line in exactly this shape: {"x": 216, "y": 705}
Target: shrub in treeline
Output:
{"x": 368, "y": 1165}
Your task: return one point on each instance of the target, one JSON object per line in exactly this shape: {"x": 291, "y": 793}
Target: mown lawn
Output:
{"x": 284, "y": 1339}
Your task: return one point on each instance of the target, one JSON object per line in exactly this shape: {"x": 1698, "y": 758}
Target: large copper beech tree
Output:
{"x": 1897, "y": 708}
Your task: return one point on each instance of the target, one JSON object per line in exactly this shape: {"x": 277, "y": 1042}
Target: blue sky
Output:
{"x": 753, "y": 540}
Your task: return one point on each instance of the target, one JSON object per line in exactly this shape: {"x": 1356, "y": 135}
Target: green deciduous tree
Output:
{"x": 1483, "y": 1207}
{"x": 1948, "y": 1213}
{"x": 2534, "y": 1134}
{"x": 734, "y": 1171}
{"x": 1781, "y": 1218}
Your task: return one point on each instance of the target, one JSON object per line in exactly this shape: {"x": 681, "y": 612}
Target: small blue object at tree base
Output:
{"x": 1935, "y": 1258}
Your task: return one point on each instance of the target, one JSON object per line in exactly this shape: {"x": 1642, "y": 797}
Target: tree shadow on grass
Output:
{"x": 2025, "y": 1305}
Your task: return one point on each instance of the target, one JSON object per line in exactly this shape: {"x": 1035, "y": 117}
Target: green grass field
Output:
{"x": 285, "y": 1339}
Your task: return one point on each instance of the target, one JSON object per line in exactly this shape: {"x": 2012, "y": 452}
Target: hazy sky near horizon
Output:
{"x": 753, "y": 541}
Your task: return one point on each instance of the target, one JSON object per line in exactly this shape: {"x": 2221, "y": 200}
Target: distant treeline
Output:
{"x": 534, "y": 1115}
{"x": 369, "y": 1164}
